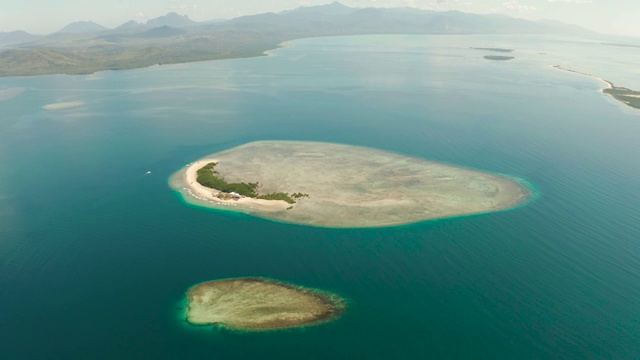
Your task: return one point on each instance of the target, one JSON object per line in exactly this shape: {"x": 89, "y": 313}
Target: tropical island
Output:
{"x": 624, "y": 95}
{"x": 259, "y": 304}
{"x": 333, "y": 185}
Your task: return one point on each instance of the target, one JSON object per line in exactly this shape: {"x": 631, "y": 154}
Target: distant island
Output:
{"x": 622, "y": 45}
{"x": 498, "y": 57}
{"x": 494, "y": 49}
{"x": 498, "y": 50}
{"x": 624, "y": 95}
{"x": 85, "y": 47}
{"x": 334, "y": 185}
{"x": 259, "y": 304}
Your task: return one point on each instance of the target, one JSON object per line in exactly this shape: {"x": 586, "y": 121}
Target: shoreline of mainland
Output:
{"x": 208, "y": 194}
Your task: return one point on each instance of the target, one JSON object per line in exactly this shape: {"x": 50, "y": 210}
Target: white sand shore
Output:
{"x": 609, "y": 84}
{"x": 203, "y": 192}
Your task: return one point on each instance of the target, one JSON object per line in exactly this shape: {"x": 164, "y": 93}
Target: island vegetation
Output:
{"x": 259, "y": 304}
{"x": 625, "y": 95}
{"x": 209, "y": 177}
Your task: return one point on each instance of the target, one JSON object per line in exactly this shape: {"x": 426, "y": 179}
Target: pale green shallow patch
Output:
{"x": 259, "y": 304}
{"x": 352, "y": 186}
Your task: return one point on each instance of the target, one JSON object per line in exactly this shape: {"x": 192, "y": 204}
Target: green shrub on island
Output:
{"x": 277, "y": 196}
{"x": 627, "y": 96}
{"x": 208, "y": 176}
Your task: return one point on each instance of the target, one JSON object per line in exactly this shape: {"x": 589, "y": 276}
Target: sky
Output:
{"x": 620, "y": 17}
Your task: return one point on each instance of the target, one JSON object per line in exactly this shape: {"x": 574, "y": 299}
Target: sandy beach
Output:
{"x": 609, "y": 84}
{"x": 208, "y": 194}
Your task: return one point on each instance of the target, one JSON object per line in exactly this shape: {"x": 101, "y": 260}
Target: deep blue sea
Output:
{"x": 95, "y": 255}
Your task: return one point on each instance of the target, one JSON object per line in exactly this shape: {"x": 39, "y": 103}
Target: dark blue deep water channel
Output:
{"x": 95, "y": 256}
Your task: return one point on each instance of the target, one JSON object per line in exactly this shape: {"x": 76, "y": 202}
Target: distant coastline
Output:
{"x": 609, "y": 83}
{"x": 624, "y": 95}
{"x": 622, "y": 45}
{"x": 86, "y": 47}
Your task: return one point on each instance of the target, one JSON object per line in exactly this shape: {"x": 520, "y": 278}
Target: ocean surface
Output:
{"x": 95, "y": 254}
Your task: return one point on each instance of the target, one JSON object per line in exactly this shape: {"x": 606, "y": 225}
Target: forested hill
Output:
{"x": 176, "y": 39}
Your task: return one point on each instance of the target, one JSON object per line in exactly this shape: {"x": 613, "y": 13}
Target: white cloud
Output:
{"x": 516, "y": 7}
{"x": 627, "y": 24}
{"x": 571, "y": 1}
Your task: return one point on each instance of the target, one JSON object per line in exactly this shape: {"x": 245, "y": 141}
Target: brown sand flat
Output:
{"x": 257, "y": 304}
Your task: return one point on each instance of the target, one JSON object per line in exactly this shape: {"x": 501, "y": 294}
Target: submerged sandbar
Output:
{"x": 258, "y": 304}
{"x": 349, "y": 186}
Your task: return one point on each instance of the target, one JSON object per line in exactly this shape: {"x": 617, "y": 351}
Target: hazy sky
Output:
{"x": 46, "y": 16}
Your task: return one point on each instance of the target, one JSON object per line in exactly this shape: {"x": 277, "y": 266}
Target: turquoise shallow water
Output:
{"x": 95, "y": 255}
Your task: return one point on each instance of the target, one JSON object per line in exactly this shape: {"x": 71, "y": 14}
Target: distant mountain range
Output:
{"x": 333, "y": 9}
{"x": 81, "y": 27}
{"x": 85, "y": 46}
{"x": 171, "y": 19}
{"x": 131, "y": 24}
{"x": 334, "y": 18}
{"x": 16, "y": 37}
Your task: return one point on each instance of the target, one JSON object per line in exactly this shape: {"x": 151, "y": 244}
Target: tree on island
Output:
{"x": 208, "y": 176}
